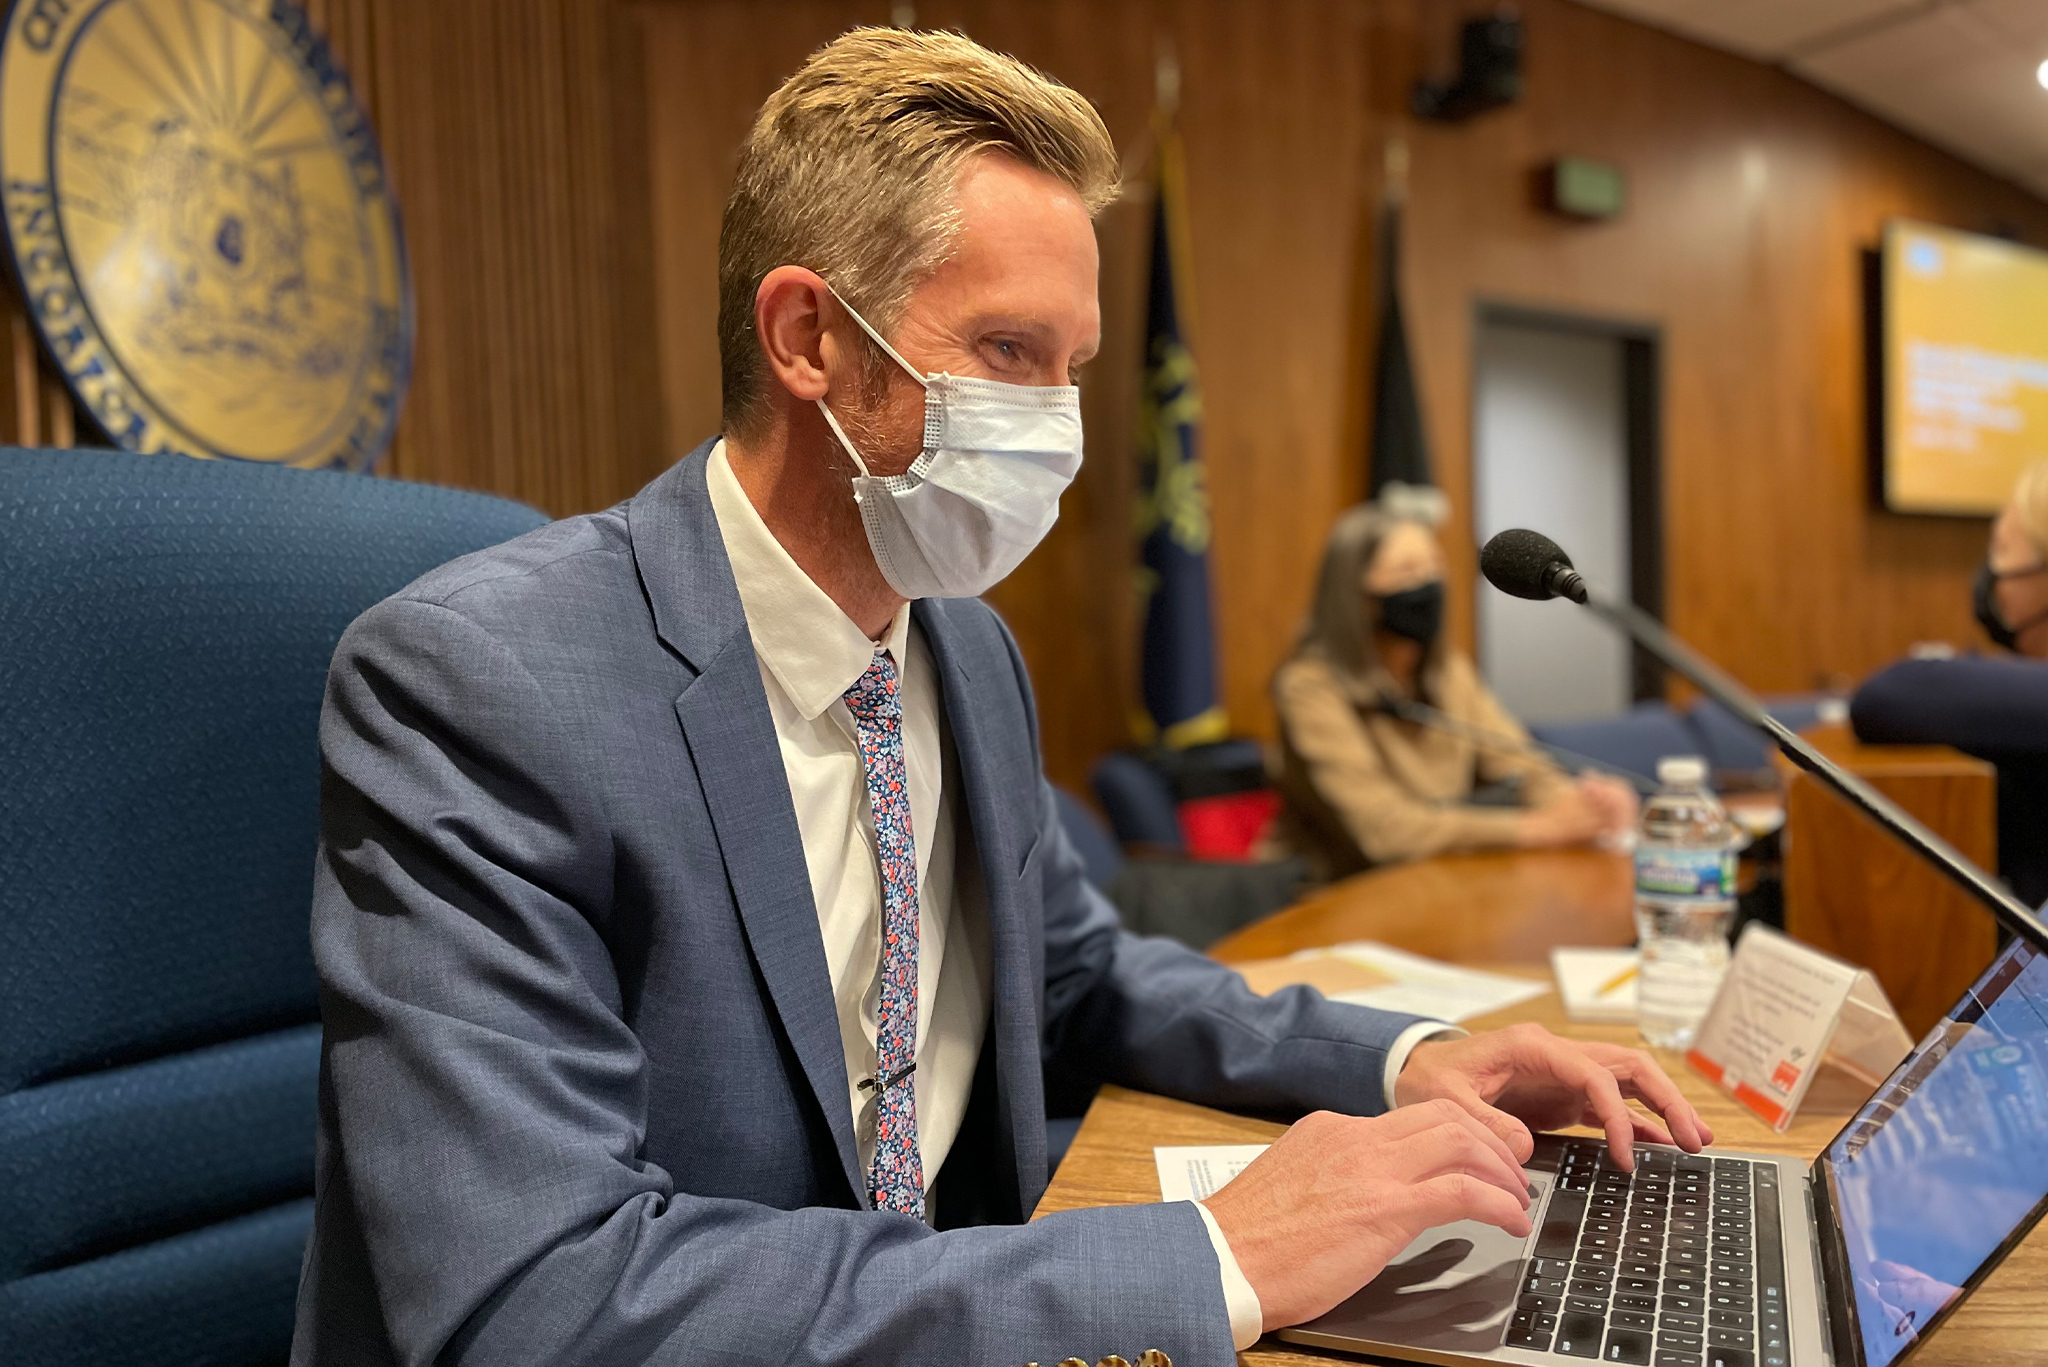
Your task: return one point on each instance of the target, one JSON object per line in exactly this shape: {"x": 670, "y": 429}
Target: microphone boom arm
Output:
{"x": 1650, "y": 634}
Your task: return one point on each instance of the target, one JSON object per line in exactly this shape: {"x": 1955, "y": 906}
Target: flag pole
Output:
{"x": 1166, "y": 79}
{"x": 1398, "y": 448}
{"x": 1178, "y": 677}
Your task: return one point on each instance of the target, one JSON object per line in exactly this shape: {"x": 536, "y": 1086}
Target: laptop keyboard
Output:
{"x": 1680, "y": 1264}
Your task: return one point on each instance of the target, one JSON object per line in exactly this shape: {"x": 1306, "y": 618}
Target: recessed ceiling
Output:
{"x": 1959, "y": 73}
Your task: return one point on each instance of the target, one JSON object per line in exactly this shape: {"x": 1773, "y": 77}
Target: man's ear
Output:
{"x": 791, "y": 309}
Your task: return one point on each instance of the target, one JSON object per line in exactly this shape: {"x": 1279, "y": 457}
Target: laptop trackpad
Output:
{"x": 1453, "y": 1289}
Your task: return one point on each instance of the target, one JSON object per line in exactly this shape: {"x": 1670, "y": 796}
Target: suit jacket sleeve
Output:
{"x": 1991, "y": 708}
{"x": 1153, "y": 1014}
{"x": 489, "y": 1101}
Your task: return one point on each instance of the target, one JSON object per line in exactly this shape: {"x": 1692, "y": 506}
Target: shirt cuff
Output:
{"x": 1404, "y": 1045}
{"x": 1247, "y": 1317}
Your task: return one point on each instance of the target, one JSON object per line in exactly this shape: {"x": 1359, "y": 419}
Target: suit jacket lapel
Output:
{"x": 725, "y": 720}
{"x": 1002, "y": 845}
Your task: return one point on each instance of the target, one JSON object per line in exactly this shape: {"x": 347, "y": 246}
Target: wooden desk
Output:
{"x": 1502, "y": 907}
{"x": 1855, "y": 891}
{"x": 1110, "y": 1163}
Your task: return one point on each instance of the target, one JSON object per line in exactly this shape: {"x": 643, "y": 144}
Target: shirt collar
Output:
{"x": 801, "y": 637}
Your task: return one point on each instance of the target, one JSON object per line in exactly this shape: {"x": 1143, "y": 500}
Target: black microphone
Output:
{"x": 1530, "y": 565}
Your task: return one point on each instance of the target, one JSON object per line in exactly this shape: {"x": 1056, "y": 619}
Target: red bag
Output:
{"x": 1227, "y": 826}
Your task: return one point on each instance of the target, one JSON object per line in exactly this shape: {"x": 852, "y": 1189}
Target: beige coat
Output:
{"x": 1364, "y": 787}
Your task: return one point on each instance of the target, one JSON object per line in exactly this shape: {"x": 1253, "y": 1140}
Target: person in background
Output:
{"x": 1369, "y": 778}
{"x": 1994, "y": 707}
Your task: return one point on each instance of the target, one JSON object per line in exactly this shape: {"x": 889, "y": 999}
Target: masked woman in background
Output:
{"x": 1992, "y": 706}
{"x": 1386, "y": 732}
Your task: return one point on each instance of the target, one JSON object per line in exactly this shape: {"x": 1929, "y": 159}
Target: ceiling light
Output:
{"x": 2041, "y": 75}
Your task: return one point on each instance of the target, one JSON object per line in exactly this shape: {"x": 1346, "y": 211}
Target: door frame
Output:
{"x": 1642, "y": 351}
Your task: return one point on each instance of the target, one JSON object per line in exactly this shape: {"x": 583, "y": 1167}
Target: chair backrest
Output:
{"x": 1636, "y": 739}
{"x": 1633, "y": 740}
{"x": 1139, "y": 800}
{"x": 1733, "y": 745}
{"x": 1094, "y": 844}
{"x": 165, "y": 630}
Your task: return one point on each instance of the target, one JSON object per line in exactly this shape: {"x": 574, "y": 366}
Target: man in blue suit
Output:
{"x": 694, "y": 925}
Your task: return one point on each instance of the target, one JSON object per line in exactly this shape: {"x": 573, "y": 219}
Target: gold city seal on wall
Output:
{"x": 200, "y": 224}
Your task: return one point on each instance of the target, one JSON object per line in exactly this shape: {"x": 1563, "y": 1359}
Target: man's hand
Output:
{"x": 1320, "y": 1213}
{"x": 1524, "y": 1078}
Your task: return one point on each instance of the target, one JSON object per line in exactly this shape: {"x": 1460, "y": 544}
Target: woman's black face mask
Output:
{"x": 1416, "y": 614}
{"x": 1984, "y": 600}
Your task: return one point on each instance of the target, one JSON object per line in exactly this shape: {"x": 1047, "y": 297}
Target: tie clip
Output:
{"x": 868, "y": 1083}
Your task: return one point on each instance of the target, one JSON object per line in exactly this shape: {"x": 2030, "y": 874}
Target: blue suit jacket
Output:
{"x": 582, "y": 1097}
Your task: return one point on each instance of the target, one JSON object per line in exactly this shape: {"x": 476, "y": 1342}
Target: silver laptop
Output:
{"x": 1729, "y": 1259}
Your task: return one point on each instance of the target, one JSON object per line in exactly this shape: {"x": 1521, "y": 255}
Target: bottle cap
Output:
{"x": 1681, "y": 771}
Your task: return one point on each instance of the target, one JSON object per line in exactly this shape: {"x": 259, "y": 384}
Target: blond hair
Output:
{"x": 2030, "y": 504}
{"x": 851, "y": 166}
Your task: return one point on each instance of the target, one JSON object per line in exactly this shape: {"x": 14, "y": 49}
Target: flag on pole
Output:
{"x": 1399, "y": 452}
{"x": 1178, "y": 667}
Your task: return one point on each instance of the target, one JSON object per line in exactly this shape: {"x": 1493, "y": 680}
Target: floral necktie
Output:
{"x": 896, "y": 1181}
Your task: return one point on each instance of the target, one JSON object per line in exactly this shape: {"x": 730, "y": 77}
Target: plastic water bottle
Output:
{"x": 1685, "y": 901}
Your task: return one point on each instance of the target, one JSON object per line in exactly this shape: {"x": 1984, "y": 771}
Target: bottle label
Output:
{"x": 1664, "y": 872}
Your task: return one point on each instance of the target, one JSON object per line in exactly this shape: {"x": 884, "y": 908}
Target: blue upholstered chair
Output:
{"x": 1636, "y": 739}
{"x": 1633, "y": 741}
{"x": 1139, "y": 800}
{"x": 1096, "y": 846}
{"x": 165, "y": 627}
{"x": 1733, "y": 745}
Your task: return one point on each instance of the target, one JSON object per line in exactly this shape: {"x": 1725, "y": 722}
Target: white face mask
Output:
{"x": 984, "y": 490}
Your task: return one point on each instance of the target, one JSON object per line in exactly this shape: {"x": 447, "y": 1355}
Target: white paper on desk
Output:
{"x": 1196, "y": 1172}
{"x": 1426, "y": 987}
{"x": 1582, "y": 973}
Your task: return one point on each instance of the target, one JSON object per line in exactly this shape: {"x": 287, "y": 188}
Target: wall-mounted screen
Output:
{"x": 1965, "y": 365}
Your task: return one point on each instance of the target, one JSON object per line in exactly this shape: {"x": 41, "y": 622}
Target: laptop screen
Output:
{"x": 1949, "y": 1161}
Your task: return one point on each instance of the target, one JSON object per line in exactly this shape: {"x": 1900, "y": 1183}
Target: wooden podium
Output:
{"x": 1854, "y": 891}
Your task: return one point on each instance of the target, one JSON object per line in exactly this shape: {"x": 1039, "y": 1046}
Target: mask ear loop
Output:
{"x": 880, "y": 341}
{"x": 844, "y": 441}
{"x": 887, "y": 350}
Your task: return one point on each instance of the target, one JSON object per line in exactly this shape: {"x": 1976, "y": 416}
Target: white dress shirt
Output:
{"x": 809, "y": 654}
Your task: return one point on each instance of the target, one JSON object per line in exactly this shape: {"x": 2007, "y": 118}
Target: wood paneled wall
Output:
{"x": 514, "y": 133}
{"x": 562, "y": 164}
{"x": 36, "y": 408}
{"x": 1752, "y": 197}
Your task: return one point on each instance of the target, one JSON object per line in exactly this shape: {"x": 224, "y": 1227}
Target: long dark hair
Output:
{"x": 1339, "y": 628}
